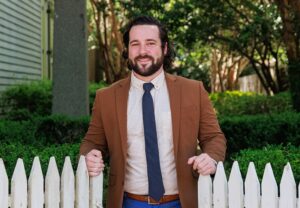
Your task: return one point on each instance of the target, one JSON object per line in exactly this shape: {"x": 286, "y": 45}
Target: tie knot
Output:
{"x": 148, "y": 86}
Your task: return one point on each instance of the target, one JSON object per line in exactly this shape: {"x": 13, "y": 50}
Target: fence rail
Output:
{"x": 79, "y": 190}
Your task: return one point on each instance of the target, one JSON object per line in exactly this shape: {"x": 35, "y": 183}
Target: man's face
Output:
{"x": 145, "y": 52}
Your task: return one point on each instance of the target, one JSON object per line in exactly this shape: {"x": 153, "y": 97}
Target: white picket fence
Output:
{"x": 81, "y": 191}
{"x": 66, "y": 191}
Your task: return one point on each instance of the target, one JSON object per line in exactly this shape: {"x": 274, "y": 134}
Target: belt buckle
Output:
{"x": 152, "y": 203}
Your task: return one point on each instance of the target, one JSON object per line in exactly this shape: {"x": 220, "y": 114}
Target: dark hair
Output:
{"x": 163, "y": 33}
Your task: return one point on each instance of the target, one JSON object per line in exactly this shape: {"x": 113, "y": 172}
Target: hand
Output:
{"x": 94, "y": 162}
{"x": 203, "y": 164}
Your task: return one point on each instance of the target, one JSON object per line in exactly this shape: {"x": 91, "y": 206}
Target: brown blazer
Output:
{"x": 194, "y": 122}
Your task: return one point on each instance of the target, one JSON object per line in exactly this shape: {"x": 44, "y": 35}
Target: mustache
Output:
{"x": 141, "y": 57}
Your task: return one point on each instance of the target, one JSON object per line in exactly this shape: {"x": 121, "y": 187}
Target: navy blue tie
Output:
{"x": 156, "y": 186}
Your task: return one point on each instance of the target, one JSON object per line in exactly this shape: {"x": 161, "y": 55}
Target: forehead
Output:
{"x": 144, "y": 32}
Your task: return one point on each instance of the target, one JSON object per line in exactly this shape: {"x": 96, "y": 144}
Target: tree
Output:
{"x": 290, "y": 15}
{"x": 105, "y": 22}
{"x": 249, "y": 28}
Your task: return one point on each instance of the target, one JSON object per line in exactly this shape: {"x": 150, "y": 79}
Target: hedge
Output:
{"x": 260, "y": 130}
{"x": 41, "y": 131}
{"x": 278, "y": 156}
{"x": 232, "y": 103}
{"x": 25, "y": 101}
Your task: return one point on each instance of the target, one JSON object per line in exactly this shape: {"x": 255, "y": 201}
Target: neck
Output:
{"x": 148, "y": 78}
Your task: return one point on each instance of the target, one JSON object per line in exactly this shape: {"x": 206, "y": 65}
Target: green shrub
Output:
{"x": 232, "y": 103}
{"x": 278, "y": 156}
{"x": 260, "y": 130}
{"x": 11, "y": 152}
{"x": 41, "y": 131}
{"x": 25, "y": 101}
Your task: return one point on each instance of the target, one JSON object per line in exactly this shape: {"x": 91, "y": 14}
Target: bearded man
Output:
{"x": 149, "y": 125}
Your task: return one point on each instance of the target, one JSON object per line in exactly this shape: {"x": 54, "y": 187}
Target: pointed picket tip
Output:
{"x": 36, "y": 169}
{"x": 19, "y": 186}
{"x": 288, "y": 175}
{"x": 82, "y": 184}
{"x": 67, "y": 184}
{"x": 3, "y": 185}
{"x": 269, "y": 189}
{"x": 235, "y": 187}
{"x": 220, "y": 187}
{"x": 205, "y": 191}
{"x": 252, "y": 188}
{"x": 52, "y": 168}
{"x": 287, "y": 188}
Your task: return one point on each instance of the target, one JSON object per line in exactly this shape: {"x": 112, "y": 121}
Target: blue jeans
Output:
{"x": 131, "y": 203}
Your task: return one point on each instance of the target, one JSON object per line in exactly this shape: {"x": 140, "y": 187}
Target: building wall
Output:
{"x": 21, "y": 51}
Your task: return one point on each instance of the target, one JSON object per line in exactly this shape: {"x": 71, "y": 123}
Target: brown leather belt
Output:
{"x": 145, "y": 198}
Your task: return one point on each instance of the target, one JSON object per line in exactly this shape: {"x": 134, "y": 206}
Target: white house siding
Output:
{"x": 20, "y": 41}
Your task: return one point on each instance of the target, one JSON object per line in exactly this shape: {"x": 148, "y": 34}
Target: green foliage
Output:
{"x": 278, "y": 156}
{"x": 42, "y": 131}
{"x": 11, "y": 152}
{"x": 26, "y": 101}
{"x": 233, "y": 103}
{"x": 260, "y": 130}
{"x": 93, "y": 87}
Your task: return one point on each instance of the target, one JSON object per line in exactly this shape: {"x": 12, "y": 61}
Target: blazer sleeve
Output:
{"x": 211, "y": 138}
{"x": 95, "y": 137}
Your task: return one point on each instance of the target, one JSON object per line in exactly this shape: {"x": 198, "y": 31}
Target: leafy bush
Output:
{"x": 239, "y": 103}
{"x": 278, "y": 156}
{"x": 11, "y": 152}
{"x": 44, "y": 130}
{"x": 25, "y": 101}
{"x": 260, "y": 130}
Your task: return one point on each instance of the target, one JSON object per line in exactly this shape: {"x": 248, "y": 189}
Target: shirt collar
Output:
{"x": 157, "y": 81}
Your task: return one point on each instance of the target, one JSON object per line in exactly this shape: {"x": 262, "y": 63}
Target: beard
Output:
{"x": 146, "y": 71}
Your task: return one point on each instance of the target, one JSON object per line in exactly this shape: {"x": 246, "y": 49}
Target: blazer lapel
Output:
{"x": 174, "y": 95}
{"x": 121, "y": 103}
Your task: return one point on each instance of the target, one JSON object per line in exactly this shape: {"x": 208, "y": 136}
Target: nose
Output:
{"x": 143, "y": 49}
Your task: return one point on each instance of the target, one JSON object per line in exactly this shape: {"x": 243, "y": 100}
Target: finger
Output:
{"x": 96, "y": 153}
{"x": 191, "y": 160}
{"x": 198, "y": 161}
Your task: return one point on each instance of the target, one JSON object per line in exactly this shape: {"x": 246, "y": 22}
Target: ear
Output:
{"x": 165, "y": 48}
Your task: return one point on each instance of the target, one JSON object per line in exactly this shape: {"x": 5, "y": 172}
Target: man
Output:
{"x": 149, "y": 125}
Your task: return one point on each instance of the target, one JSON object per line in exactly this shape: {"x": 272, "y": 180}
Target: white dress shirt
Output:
{"x": 136, "y": 179}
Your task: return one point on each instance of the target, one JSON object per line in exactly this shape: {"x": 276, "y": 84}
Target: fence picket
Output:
{"x": 67, "y": 185}
{"x": 220, "y": 188}
{"x": 235, "y": 187}
{"x": 96, "y": 191}
{"x": 3, "y": 185}
{"x": 298, "y": 196}
{"x": 36, "y": 185}
{"x": 52, "y": 182}
{"x": 204, "y": 191}
{"x": 82, "y": 184}
{"x": 19, "y": 186}
{"x": 287, "y": 188}
{"x": 252, "y": 188}
{"x": 269, "y": 189}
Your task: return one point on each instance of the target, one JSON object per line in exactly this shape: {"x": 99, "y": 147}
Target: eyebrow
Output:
{"x": 147, "y": 40}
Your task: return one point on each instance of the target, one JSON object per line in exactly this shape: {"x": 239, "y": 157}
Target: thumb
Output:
{"x": 96, "y": 153}
{"x": 191, "y": 160}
